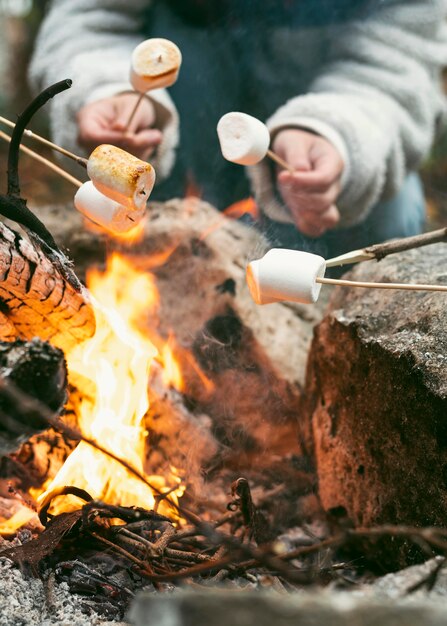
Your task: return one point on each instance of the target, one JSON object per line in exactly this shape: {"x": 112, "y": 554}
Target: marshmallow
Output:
{"x": 243, "y": 138}
{"x": 155, "y": 63}
{"x": 106, "y": 212}
{"x": 121, "y": 176}
{"x": 288, "y": 275}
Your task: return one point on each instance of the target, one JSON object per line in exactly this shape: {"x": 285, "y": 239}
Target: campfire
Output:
{"x": 160, "y": 450}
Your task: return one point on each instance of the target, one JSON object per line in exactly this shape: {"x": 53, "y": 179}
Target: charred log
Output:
{"x": 36, "y": 299}
{"x": 32, "y": 374}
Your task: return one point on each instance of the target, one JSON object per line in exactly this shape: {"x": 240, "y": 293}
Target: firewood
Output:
{"x": 36, "y": 299}
{"x": 32, "y": 375}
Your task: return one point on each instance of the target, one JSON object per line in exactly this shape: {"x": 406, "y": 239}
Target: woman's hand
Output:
{"x": 312, "y": 190}
{"x": 104, "y": 121}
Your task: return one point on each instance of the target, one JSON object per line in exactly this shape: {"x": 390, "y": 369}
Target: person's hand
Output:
{"x": 311, "y": 191}
{"x": 104, "y": 121}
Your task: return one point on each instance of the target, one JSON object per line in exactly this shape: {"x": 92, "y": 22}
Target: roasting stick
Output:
{"x": 355, "y": 283}
{"x": 155, "y": 64}
{"x": 46, "y": 162}
{"x": 29, "y": 133}
{"x": 275, "y": 157}
{"x": 381, "y": 250}
{"x": 134, "y": 110}
{"x": 93, "y": 204}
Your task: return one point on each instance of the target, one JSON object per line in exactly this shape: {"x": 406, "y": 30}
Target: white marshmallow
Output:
{"x": 107, "y": 213}
{"x": 243, "y": 138}
{"x": 155, "y": 63}
{"x": 121, "y": 176}
{"x": 285, "y": 275}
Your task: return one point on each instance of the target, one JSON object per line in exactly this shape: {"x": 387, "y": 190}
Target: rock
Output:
{"x": 253, "y": 357}
{"x": 220, "y": 608}
{"x": 376, "y": 396}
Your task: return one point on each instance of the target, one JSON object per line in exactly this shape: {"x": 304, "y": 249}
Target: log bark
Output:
{"x": 33, "y": 382}
{"x": 36, "y": 300}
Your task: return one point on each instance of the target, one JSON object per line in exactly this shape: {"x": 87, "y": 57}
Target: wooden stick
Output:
{"x": 29, "y": 133}
{"x": 272, "y": 155}
{"x": 381, "y": 250}
{"x": 132, "y": 115}
{"x": 46, "y": 162}
{"x": 407, "y": 286}
{"x": 356, "y": 256}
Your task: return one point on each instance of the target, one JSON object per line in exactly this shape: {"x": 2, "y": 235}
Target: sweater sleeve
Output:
{"x": 91, "y": 42}
{"x": 379, "y": 99}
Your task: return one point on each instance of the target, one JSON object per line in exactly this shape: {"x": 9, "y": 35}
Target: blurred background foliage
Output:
{"x": 19, "y": 23}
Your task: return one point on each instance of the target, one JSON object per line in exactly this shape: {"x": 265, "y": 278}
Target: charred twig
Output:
{"x": 12, "y": 205}
{"x": 255, "y": 523}
{"x": 381, "y": 250}
{"x": 144, "y": 566}
{"x": 44, "y": 516}
{"x": 19, "y": 128}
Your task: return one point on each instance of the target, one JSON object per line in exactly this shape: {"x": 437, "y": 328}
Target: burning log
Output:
{"x": 38, "y": 370}
{"x": 39, "y": 293}
{"x": 36, "y": 299}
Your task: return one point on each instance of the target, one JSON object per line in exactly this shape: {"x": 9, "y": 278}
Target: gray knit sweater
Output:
{"x": 375, "y": 93}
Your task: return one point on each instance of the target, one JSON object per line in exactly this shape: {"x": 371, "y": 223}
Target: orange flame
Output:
{"x": 111, "y": 370}
{"x": 243, "y": 207}
{"x": 234, "y": 211}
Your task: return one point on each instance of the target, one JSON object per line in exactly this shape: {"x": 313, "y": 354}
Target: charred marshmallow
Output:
{"x": 285, "y": 275}
{"x": 121, "y": 176}
{"x": 109, "y": 214}
{"x": 155, "y": 63}
{"x": 243, "y": 139}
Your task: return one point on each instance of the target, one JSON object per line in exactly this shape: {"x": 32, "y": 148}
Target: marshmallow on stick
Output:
{"x": 245, "y": 140}
{"x": 285, "y": 275}
{"x": 155, "y": 63}
{"x": 295, "y": 276}
{"x": 121, "y": 176}
{"x": 107, "y": 213}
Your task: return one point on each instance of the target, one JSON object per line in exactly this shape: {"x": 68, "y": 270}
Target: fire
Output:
{"x": 243, "y": 207}
{"x": 247, "y": 206}
{"x": 111, "y": 370}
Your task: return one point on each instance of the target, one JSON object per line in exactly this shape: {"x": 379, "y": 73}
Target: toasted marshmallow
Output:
{"x": 121, "y": 176}
{"x": 243, "y": 138}
{"x": 105, "y": 212}
{"x": 285, "y": 275}
{"x": 155, "y": 63}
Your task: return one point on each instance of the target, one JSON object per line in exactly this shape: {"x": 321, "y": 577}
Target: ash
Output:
{"x": 28, "y": 600}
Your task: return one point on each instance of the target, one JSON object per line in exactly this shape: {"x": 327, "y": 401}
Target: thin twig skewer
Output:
{"x": 29, "y": 133}
{"x": 272, "y": 155}
{"x": 381, "y": 250}
{"x": 134, "y": 110}
{"x": 44, "y": 161}
{"x": 366, "y": 285}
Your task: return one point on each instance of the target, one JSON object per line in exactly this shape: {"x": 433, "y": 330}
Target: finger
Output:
{"x": 151, "y": 137}
{"x": 92, "y": 136}
{"x": 307, "y": 200}
{"x": 326, "y": 171}
{"x": 315, "y": 226}
{"x": 129, "y": 107}
{"x": 296, "y": 154}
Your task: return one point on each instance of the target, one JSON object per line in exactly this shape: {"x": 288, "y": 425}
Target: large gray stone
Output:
{"x": 226, "y": 608}
{"x": 376, "y": 395}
